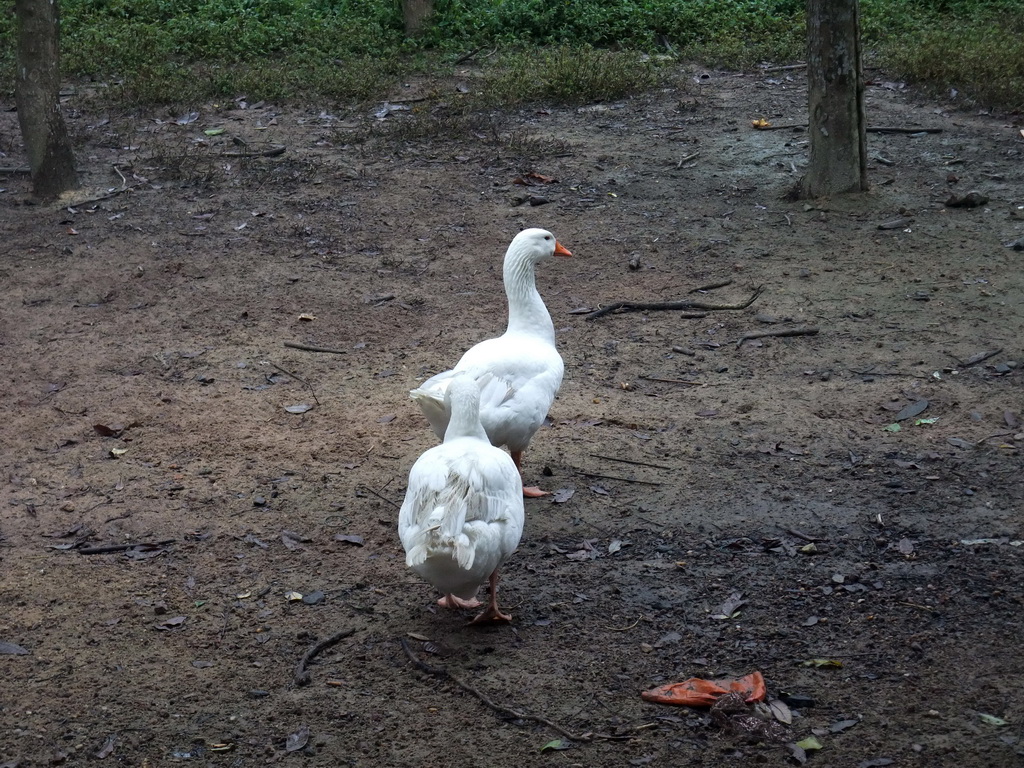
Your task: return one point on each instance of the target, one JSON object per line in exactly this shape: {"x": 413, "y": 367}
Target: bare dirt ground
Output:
{"x": 146, "y": 382}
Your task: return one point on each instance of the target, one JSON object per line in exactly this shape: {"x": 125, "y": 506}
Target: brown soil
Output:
{"x": 146, "y": 381}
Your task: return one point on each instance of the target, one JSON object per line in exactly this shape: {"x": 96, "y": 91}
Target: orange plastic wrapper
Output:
{"x": 697, "y": 692}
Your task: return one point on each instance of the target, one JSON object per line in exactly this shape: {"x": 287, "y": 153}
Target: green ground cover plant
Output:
{"x": 188, "y": 51}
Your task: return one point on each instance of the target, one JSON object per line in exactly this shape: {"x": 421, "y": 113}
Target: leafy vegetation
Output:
{"x": 180, "y": 51}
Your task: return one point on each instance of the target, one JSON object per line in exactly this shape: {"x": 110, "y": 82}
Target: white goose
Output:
{"x": 463, "y": 511}
{"x": 520, "y": 371}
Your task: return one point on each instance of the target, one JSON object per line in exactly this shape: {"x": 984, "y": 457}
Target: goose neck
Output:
{"x": 526, "y": 310}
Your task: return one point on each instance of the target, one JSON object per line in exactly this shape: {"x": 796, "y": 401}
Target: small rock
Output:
{"x": 894, "y": 224}
{"x": 259, "y": 501}
{"x": 970, "y": 200}
{"x": 313, "y": 598}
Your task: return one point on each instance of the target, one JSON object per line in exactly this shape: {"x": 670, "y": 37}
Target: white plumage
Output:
{"x": 519, "y": 372}
{"x": 463, "y": 511}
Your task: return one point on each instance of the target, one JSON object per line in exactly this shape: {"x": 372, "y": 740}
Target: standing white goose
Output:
{"x": 520, "y": 371}
{"x": 463, "y": 511}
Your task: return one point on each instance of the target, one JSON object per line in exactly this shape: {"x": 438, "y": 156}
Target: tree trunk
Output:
{"x": 415, "y": 13}
{"x": 835, "y": 81}
{"x": 37, "y": 96}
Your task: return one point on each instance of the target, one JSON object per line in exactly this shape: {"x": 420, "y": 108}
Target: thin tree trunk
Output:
{"x": 415, "y": 13}
{"x": 835, "y": 79}
{"x": 37, "y": 95}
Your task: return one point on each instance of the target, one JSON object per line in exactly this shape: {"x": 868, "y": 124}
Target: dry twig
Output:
{"x": 308, "y": 348}
{"x": 297, "y": 378}
{"x": 274, "y": 152}
{"x": 501, "y": 709}
{"x": 631, "y": 306}
{"x": 618, "y": 479}
{"x": 381, "y": 497}
{"x": 105, "y": 549}
{"x": 630, "y": 461}
{"x": 302, "y": 676}
{"x": 801, "y": 331}
{"x": 671, "y": 381}
{"x": 711, "y": 286}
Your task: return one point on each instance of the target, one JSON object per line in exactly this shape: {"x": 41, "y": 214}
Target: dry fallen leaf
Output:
{"x": 297, "y": 740}
{"x": 781, "y": 711}
{"x": 730, "y": 608}
{"x": 173, "y": 623}
{"x": 562, "y": 495}
{"x": 107, "y": 749}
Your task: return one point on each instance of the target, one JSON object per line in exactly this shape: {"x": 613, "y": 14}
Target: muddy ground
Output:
{"x": 146, "y": 384}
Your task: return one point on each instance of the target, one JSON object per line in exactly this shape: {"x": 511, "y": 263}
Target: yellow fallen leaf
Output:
{"x": 760, "y": 124}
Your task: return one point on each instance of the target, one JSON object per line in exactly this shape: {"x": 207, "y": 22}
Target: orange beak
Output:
{"x": 561, "y": 250}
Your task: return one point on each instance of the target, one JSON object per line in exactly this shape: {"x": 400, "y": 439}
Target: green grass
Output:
{"x": 982, "y": 60}
{"x": 189, "y": 51}
{"x": 567, "y": 75}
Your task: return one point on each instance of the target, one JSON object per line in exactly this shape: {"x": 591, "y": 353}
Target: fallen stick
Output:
{"x": 671, "y": 381}
{"x": 687, "y": 159}
{"x": 302, "y": 676}
{"x": 711, "y": 286}
{"x": 882, "y": 129}
{"x": 631, "y": 306}
{"x": 309, "y": 348}
{"x": 619, "y": 479}
{"x": 997, "y": 434}
{"x": 978, "y": 358}
{"x": 630, "y": 461}
{"x": 802, "y": 331}
{"x": 870, "y": 129}
{"x": 782, "y": 67}
{"x": 99, "y": 198}
{"x": 380, "y": 496}
{"x": 264, "y": 153}
{"x": 801, "y": 535}
{"x": 297, "y": 378}
{"x": 501, "y": 709}
{"x": 105, "y": 549}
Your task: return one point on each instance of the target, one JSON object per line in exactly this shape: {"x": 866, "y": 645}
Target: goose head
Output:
{"x": 535, "y": 245}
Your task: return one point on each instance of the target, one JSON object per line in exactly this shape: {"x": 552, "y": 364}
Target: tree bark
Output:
{"x": 415, "y": 13}
{"x": 835, "y": 94}
{"x": 37, "y": 96}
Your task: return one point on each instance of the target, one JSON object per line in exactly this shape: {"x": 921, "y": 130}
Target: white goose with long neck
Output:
{"x": 526, "y": 311}
{"x": 519, "y": 372}
{"x": 463, "y": 511}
